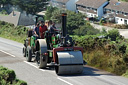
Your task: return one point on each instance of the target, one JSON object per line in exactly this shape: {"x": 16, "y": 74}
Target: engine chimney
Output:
{"x": 64, "y": 29}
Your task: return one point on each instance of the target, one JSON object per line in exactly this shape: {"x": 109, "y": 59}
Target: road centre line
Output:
{"x": 65, "y": 81}
{"x": 7, "y": 53}
{"x": 34, "y": 66}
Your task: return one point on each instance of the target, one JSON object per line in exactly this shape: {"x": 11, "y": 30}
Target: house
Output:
{"x": 18, "y": 18}
{"x": 92, "y": 8}
{"x": 119, "y": 9}
{"x": 65, "y": 4}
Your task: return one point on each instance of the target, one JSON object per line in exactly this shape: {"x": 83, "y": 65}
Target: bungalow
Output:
{"x": 65, "y": 4}
{"x": 92, "y": 8}
{"x": 119, "y": 9}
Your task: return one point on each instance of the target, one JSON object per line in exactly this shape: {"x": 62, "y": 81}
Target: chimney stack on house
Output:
{"x": 13, "y": 13}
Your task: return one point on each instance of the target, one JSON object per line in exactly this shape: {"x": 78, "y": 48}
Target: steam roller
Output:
{"x": 57, "y": 50}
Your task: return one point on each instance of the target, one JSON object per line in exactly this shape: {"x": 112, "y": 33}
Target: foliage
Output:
{"x": 113, "y": 34}
{"x": 74, "y": 21}
{"x": 56, "y": 16}
{"x": 8, "y": 77}
{"x": 30, "y": 6}
{"x": 86, "y": 29}
{"x": 19, "y": 82}
{"x": 103, "y": 53}
{"x": 125, "y": 0}
{"x": 9, "y": 31}
{"x": 126, "y": 74}
{"x": 121, "y": 26}
{"x": 49, "y": 12}
{"x": 103, "y": 31}
{"x": 5, "y": 2}
{"x": 3, "y": 12}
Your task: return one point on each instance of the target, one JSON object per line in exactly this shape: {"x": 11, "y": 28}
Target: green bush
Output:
{"x": 121, "y": 26}
{"x": 19, "y": 82}
{"x": 8, "y": 77}
{"x": 104, "y": 53}
{"x": 86, "y": 29}
{"x": 113, "y": 34}
{"x": 4, "y": 12}
{"x": 126, "y": 74}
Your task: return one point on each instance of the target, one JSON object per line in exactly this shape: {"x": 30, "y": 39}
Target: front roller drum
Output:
{"x": 70, "y": 62}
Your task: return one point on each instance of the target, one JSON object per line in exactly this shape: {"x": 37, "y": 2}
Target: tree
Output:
{"x": 49, "y": 12}
{"x": 74, "y": 21}
{"x": 86, "y": 29}
{"x": 4, "y": 2}
{"x": 30, "y": 6}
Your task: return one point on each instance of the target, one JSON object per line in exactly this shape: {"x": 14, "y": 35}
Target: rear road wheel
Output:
{"x": 29, "y": 54}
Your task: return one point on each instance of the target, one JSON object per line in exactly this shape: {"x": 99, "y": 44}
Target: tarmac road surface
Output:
{"x": 12, "y": 58}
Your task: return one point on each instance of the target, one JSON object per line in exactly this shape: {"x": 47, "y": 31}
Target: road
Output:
{"x": 11, "y": 57}
{"x": 123, "y": 32}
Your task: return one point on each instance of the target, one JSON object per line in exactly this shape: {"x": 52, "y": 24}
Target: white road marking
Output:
{"x": 7, "y": 53}
{"x": 65, "y": 81}
{"x": 34, "y": 66}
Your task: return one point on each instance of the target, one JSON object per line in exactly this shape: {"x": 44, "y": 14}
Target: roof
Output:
{"x": 41, "y": 13}
{"x": 62, "y": 1}
{"x": 17, "y": 18}
{"x": 12, "y": 18}
{"x": 122, "y": 16}
{"x": 118, "y": 6}
{"x": 25, "y": 20}
{"x": 91, "y": 3}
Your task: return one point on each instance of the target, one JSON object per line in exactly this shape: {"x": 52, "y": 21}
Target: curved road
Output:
{"x": 123, "y": 32}
{"x": 11, "y": 57}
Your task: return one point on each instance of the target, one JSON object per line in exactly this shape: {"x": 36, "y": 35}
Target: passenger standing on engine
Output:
{"x": 36, "y": 31}
{"x": 42, "y": 30}
{"x": 52, "y": 27}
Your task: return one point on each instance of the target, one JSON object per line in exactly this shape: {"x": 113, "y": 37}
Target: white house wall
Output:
{"x": 71, "y": 5}
{"x": 83, "y": 12}
{"x": 91, "y": 15}
{"x": 100, "y": 10}
{"x": 119, "y": 20}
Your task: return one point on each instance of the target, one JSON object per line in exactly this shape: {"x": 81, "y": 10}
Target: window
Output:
{"x": 113, "y": 10}
{"x": 95, "y": 10}
{"x": 125, "y": 21}
{"x": 125, "y": 14}
{"x": 109, "y": 9}
{"x": 88, "y": 7}
{"x": 117, "y": 11}
{"x": 122, "y": 12}
{"x": 106, "y": 9}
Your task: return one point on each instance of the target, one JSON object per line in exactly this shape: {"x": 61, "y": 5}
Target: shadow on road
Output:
{"x": 89, "y": 71}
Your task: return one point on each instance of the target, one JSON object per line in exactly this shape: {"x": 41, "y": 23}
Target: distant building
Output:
{"x": 18, "y": 18}
{"x": 92, "y": 8}
{"x": 65, "y": 4}
{"x": 119, "y": 9}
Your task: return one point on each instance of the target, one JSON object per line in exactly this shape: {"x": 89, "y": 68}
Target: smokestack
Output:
{"x": 64, "y": 29}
